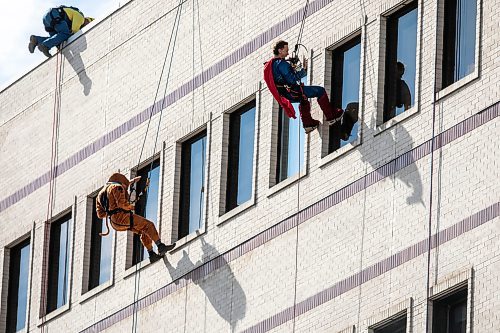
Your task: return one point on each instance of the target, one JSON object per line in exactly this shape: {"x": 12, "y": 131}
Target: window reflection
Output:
{"x": 345, "y": 93}
{"x": 400, "y": 61}
{"x": 100, "y": 251}
{"x": 291, "y": 143}
{"x": 17, "y": 296}
{"x": 57, "y": 293}
{"x": 192, "y": 196}
{"x": 240, "y": 156}
{"x": 459, "y": 39}
{"x": 147, "y": 205}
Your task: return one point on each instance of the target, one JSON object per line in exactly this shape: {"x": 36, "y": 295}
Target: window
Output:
{"x": 459, "y": 40}
{"x": 400, "y": 61}
{"x": 58, "y": 269}
{"x": 147, "y": 205}
{"x": 192, "y": 196}
{"x": 17, "y": 295}
{"x": 100, "y": 251}
{"x": 397, "y": 325}
{"x": 291, "y": 144}
{"x": 449, "y": 314}
{"x": 345, "y": 90}
{"x": 240, "y": 157}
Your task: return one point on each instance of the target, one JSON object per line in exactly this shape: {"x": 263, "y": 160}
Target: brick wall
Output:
{"x": 318, "y": 254}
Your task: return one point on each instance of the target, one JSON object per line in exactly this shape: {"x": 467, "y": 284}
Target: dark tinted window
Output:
{"x": 147, "y": 205}
{"x": 17, "y": 297}
{"x": 400, "y": 70}
{"x": 59, "y": 249}
{"x": 345, "y": 87}
{"x": 459, "y": 39}
{"x": 240, "y": 159}
{"x": 450, "y": 313}
{"x": 395, "y": 326}
{"x": 100, "y": 251}
{"x": 291, "y": 143}
{"x": 192, "y": 185}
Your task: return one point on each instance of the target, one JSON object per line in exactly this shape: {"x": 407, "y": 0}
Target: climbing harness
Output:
{"x": 104, "y": 200}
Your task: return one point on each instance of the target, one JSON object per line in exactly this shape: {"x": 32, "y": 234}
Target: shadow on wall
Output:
{"x": 223, "y": 291}
{"x": 72, "y": 54}
{"x": 409, "y": 175}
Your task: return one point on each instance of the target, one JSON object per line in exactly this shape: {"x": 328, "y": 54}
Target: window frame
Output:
{"x": 45, "y": 317}
{"x": 391, "y": 34}
{"x": 87, "y": 293}
{"x": 466, "y": 80}
{"x": 27, "y": 237}
{"x": 389, "y": 315}
{"x": 224, "y": 215}
{"x": 382, "y": 126}
{"x": 449, "y": 285}
{"x": 337, "y": 85}
{"x": 327, "y": 157}
{"x": 274, "y": 186}
{"x": 185, "y": 159}
{"x": 133, "y": 240}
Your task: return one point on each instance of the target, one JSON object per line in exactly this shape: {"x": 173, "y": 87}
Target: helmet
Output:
{"x": 119, "y": 178}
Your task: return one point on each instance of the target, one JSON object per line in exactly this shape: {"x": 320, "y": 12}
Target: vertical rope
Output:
{"x": 52, "y": 175}
{"x": 431, "y": 167}
{"x": 172, "y": 41}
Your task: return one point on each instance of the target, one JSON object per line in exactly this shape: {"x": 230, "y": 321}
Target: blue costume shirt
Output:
{"x": 283, "y": 73}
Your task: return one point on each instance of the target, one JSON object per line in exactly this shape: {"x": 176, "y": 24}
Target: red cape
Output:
{"x": 282, "y": 101}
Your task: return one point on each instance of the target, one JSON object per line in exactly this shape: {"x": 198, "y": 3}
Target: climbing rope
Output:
{"x": 172, "y": 41}
{"x": 295, "y": 55}
{"x": 297, "y": 215}
{"x": 52, "y": 176}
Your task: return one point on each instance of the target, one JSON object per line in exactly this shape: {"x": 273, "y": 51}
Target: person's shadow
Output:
{"x": 220, "y": 286}
{"x": 72, "y": 54}
{"x": 406, "y": 169}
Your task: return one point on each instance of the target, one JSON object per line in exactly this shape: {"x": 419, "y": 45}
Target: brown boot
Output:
{"x": 32, "y": 44}
{"x": 44, "y": 50}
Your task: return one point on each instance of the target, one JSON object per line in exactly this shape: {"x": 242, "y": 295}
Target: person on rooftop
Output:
{"x": 60, "y": 22}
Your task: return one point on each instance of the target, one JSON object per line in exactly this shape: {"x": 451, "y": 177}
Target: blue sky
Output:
{"x": 22, "y": 18}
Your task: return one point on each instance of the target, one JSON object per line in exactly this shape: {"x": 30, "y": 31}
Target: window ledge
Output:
{"x": 457, "y": 85}
{"x": 181, "y": 243}
{"x": 399, "y": 118}
{"x": 285, "y": 183}
{"x": 95, "y": 291}
{"x": 235, "y": 211}
{"x": 53, "y": 314}
{"x": 137, "y": 267}
{"x": 339, "y": 152}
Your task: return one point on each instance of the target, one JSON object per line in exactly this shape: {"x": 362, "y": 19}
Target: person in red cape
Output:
{"x": 283, "y": 81}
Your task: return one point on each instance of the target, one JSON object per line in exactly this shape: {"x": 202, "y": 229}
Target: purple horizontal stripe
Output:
{"x": 378, "y": 269}
{"x": 289, "y": 223}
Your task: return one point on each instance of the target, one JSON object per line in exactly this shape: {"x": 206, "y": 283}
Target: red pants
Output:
{"x": 141, "y": 226}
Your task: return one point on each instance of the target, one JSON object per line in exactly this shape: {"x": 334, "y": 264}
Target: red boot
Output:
{"x": 332, "y": 114}
{"x": 308, "y": 122}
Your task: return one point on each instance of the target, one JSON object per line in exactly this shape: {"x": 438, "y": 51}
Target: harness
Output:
{"x": 296, "y": 91}
{"x": 103, "y": 199}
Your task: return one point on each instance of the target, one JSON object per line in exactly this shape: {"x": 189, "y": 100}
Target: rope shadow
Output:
{"x": 223, "y": 291}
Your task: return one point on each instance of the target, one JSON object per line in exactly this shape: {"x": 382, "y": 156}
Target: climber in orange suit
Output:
{"x": 113, "y": 203}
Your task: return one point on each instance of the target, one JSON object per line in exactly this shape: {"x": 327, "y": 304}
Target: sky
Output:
{"x": 22, "y": 18}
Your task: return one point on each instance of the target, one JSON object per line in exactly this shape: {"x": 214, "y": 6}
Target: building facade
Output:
{"x": 394, "y": 229}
